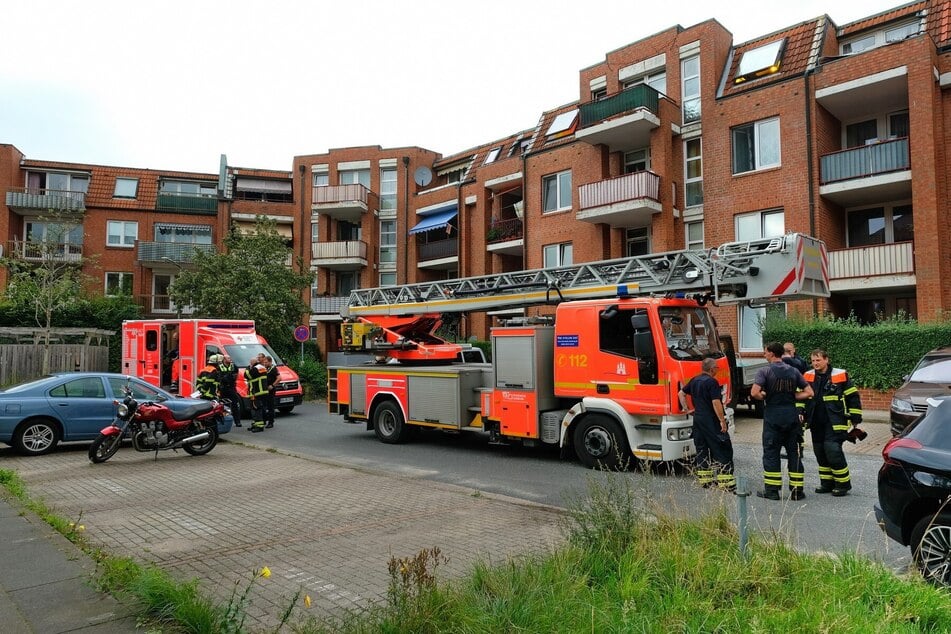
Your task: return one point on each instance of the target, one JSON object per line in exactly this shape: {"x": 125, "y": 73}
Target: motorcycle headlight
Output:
{"x": 900, "y": 405}
{"x": 123, "y": 410}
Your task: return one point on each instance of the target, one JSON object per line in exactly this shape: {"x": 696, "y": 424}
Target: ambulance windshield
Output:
{"x": 243, "y": 353}
{"x": 689, "y": 332}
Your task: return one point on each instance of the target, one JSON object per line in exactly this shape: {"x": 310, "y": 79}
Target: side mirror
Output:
{"x": 640, "y": 322}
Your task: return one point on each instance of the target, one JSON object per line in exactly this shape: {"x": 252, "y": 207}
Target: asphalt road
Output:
{"x": 819, "y": 523}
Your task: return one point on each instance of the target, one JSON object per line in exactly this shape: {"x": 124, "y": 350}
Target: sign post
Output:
{"x": 302, "y": 334}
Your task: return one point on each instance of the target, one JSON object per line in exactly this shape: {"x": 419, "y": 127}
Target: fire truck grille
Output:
{"x": 287, "y": 385}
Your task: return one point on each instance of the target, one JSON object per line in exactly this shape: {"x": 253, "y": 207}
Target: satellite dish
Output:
{"x": 423, "y": 176}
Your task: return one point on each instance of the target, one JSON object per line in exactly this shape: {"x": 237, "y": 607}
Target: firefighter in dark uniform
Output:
{"x": 828, "y": 414}
{"x": 255, "y": 375}
{"x": 273, "y": 377}
{"x": 779, "y": 386}
{"x": 228, "y": 377}
{"x": 710, "y": 433}
{"x": 207, "y": 381}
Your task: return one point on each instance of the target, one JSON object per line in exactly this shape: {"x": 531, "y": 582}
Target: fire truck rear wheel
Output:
{"x": 388, "y": 423}
{"x": 600, "y": 443}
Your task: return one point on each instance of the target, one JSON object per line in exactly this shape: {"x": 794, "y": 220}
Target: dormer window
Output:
{"x": 760, "y": 61}
{"x": 563, "y": 125}
{"x": 869, "y": 40}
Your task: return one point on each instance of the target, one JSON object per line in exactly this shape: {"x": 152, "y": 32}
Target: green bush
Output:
{"x": 877, "y": 356}
{"x": 312, "y": 373}
{"x": 486, "y": 347}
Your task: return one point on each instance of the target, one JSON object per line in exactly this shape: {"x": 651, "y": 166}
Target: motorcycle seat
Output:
{"x": 187, "y": 410}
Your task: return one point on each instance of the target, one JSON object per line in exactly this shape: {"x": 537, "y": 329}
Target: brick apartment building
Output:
{"x": 682, "y": 139}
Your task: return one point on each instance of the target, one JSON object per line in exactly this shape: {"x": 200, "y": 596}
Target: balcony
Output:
{"x": 622, "y": 122}
{"x": 350, "y": 255}
{"x": 625, "y": 201}
{"x": 44, "y": 252}
{"x": 328, "y": 304}
{"x": 440, "y": 254}
{"x": 505, "y": 237}
{"x": 187, "y": 204}
{"x": 36, "y": 202}
{"x": 867, "y": 174}
{"x": 872, "y": 267}
{"x": 161, "y": 305}
{"x": 341, "y": 202}
{"x": 162, "y": 254}
{"x": 867, "y": 96}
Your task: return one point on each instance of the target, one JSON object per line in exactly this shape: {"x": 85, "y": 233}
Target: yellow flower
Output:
{"x": 306, "y": 600}
{"x": 80, "y": 528}
{"x": 265, "y": 572}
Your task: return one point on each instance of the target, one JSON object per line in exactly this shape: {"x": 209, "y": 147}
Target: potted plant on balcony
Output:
{"x": 495, "y": 233}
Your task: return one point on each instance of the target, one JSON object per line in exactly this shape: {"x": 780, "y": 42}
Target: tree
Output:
{"x": 45, "y": 274}
{"x": 251, "y": 280}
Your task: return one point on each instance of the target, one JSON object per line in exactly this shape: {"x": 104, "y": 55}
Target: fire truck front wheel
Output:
{"x": 388, "y": 423}
{"x": 600, "y": 443}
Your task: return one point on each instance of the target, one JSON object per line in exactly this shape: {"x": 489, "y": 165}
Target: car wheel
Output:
{"x": 36, "y": 437}
{"x": 600, "y": 443}
{"x": 931, "y": 548}
{"x": 388, "y": 423}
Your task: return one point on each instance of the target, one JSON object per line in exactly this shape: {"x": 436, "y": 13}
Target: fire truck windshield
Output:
{"x": 242, "y": 354}
{"x": 689, "y": 332}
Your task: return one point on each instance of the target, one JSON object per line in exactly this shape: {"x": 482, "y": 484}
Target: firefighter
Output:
{"x": 273, "y": 377}
{"x": 828, "y": 414}
{"x": 710, "y": 433}
{"x": 207, "y": 382}
{"x": 228, "y": 376}
{"x": 779, "y": 386}
{"x": 255, "y": 375}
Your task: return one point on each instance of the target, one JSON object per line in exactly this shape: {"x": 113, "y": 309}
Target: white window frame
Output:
{"x": 388, "y": 188}
{"x": 690, "y": 89}
{"x": 881, "y": 36}
{"x": 761, "y": 133}
{"x": 766, "y": 56}
{"x": 641, "y": 158}
{"x": 756, "y": 225}
{"x": 118, "y": 229}
{"x": 634, "y": 236}
{"x": 694, "y": 181}
{"x": 562, "y": 192}
{"x": 120, "y": 277}
{"x": 492, "y": 155}
{"x": 556, "y": 255}
{"x": 388, "y": 242}
{"x": 123, "y": 183}
{"x": 388, "y": 278}
{"x": 321, "y": 179}
{"x": 656, "y": 79}
{"x": 692, "y": 242}
{"x": 354, "y": 177}
{"x": 314, "y": 230}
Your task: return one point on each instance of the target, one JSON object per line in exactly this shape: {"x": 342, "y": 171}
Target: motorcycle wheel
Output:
{"x": 203, "y": 447}
{"x": 104, "y": 447}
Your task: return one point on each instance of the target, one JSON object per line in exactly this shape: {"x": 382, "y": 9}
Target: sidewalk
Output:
{"x": 749, "y": 431}
{"x": 45, "y": 582}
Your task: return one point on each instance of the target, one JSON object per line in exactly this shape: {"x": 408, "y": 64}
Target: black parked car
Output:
{"x": 914, "y": 485}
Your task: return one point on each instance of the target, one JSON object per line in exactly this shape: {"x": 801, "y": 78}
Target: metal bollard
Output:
{"x": 742, "y": 492}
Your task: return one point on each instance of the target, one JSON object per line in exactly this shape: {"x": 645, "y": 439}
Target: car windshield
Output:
{"x": 689, "y": 332}
{"x": 242, "y": 353}
{"x": 933, "y": 370}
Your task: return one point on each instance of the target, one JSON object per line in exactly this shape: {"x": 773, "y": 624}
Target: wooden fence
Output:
{"x": 22, "y": 362}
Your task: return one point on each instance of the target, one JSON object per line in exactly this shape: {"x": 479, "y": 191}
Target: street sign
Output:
{"x": 302, "y": 333}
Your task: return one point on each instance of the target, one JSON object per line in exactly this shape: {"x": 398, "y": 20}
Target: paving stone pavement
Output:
{"x": 323, "y": 529}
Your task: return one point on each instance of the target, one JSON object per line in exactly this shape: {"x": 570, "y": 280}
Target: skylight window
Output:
{"x": 563, "y": 124}
{"x": 760, "y": 61}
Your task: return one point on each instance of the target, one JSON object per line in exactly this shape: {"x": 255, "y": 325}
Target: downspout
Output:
{"x": 303, "y": 222}
{"x": 524, "y": 213}
{"x": 810, "y": 172}
{"x": 405, "y": 223}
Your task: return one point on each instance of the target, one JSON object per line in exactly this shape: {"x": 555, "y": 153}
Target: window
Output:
{"x": 656, "y": 80}
{"x": 88, "y": 387}
{"x": 891, "y": 126}
{"x": 183, "y": 234}
{"x": 189, "y": 188}
{"x": 387, "y": 242}
{"x": 599, "y": 94}
{"x": 693, "y": 235}
{"x": 755, "y": 226}
{"x": 693, "y": 173}
{"x": 563, "y": 124}
{"x": 861, "y": 44}
{"x": 903, "y": 31}
{"x": 40, "y": 182}
{"x": 857, "y": 134}
{"x": 690, "y": 88}
{"x": 756, "y": 146}
{"x": 264, "y": 190}
{"x": 557, "y": 255}
{"x": 118, "y": 284}
{"x": 894, "y": 33}
{"x": 387, "y": 279}
{"x": 126, "y": 188}
{"x": 160, "y": 299}
{"x": 637, "y": 161}
{"x": 355, "y": 177}
{"x": 760, "y": 61}
{"x": 638, "y": 241}
{"x": 53, "y": 233}
{"x": 315, "y": 229}
{"x": 492, "y": 155}
{"x": 120, "y": 233}
{"x": 387, "y": 188}
{"x": 321, "y": 179}
{"x": 347, "y": 281}
{"x": 880, "y": 225}
{"x": 556, "y": 191}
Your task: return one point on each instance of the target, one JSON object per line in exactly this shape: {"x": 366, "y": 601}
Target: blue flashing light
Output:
{"x": 680, "y": 295}
{"x": 622, "y": 291}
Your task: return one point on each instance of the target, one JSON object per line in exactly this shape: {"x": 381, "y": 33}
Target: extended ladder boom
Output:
{"x": 794, "y": 266}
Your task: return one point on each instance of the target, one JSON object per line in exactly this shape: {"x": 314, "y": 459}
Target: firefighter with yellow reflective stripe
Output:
{"x": 255, "y": 375}
{"x": 828, "y": 414}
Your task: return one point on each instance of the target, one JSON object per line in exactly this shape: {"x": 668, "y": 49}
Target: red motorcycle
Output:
{"x": 188, "y": 424}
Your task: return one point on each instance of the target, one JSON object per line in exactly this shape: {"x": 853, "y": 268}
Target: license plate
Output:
{"x": 286, "y": 399}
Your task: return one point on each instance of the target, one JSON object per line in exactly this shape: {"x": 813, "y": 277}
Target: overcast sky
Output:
{"x": 173, "y": 84}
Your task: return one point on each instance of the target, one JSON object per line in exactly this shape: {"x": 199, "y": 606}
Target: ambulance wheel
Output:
{"x": 600, "y": 443}
{"x": 388, "y": 423}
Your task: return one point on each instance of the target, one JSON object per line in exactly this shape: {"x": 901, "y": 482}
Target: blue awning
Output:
{"x": 435, "y": 221}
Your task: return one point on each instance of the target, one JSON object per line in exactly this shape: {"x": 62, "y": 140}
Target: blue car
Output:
{"x": 37, "y": 415}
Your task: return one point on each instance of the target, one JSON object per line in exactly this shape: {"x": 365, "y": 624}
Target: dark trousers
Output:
{"x": 833, "y": 468}
{"x": 268, "y": 402}
{"x": 776, "y": 437}
{"x": 230, "y": 394}
{"x": 714, "y": 460}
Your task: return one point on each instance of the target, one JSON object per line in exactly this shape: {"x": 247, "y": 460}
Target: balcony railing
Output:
{"x": 337, "y": 250}
{"x": 437, "y": 250}
{"x": 640, "y": 96}
{"x": 176, "y": 252}
{"x": 883, "y": 259}
{"x": 868, "y": 160}
{"x": 46, "y": 199}
{"x": 328, "y": 305}
{"x": 340, "y": 193}
{"x": 504, "y": 230}
{"x": 44, "y": 251}
{"x": 620, "y": 189}
{"x": 161, "y": 304}
{"x": 186, "y": 203}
